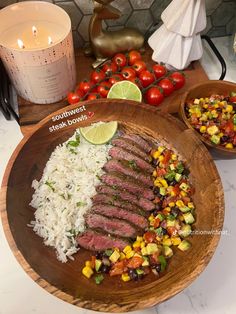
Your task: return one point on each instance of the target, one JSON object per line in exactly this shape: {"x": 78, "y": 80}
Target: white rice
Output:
{"x": 63, "y": 195}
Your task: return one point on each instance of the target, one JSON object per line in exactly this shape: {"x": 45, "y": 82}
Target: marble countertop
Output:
{"x": 212, "y": 293}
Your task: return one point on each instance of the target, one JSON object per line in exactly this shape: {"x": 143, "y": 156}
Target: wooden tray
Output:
{"x": 31, "y": 113}
{"x": 65, "y": 280}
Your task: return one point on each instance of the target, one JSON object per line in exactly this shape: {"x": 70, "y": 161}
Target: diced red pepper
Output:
{"x": 156, "y": 223}
{"x": 186, "y": 200}
{"x": 229, "y": 127}
{"x": 167, "y": 156}
{"x": 135, "y": 262}
{"x": 160, "y": 172}
{"x": 118, "y": 268}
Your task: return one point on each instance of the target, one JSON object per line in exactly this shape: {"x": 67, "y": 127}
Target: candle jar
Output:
{"x": 36, "y": 47}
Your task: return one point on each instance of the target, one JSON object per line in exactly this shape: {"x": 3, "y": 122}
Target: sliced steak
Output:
{"x": 146, "y": 146}
{"x": 121, "y": 213}
{"x": 115, "y": 200}
{"x": 129, "y": 168}
{"x": 114, "y": 226}
{"x": 127, "y": 183}
{"x": 131, "y": 146}
{"x": 96, "y": 241}
{"x": 138, "y": 200}
{"x": 123, "y": 154}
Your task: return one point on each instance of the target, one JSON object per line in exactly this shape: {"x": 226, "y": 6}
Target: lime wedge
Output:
{"x": 125, "y": 90}
{"x": 99, "y": 133}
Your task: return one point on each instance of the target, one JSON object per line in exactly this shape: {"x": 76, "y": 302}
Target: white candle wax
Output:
{"x": 36, "y": 48}
{"x": 32, "y": 38}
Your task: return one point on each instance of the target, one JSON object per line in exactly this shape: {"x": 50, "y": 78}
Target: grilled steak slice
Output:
{"x": 121, "y": 213}
{"x": 114, "y": 226}
{"x": 96, "y": 241}
{"x": 129, "y": 169}
{"x": 140, "y": 201}
{"x": 115, "y": 200}
{"x": 131, "y": 146}
{"x": 127, "y": 183}
{"x": 146, "y": 146}
{"x": 123, "y": 154}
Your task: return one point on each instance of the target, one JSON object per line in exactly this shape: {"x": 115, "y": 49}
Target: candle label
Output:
{"x": 48, "y": 80}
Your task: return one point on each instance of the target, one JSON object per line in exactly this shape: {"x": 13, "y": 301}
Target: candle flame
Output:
{"x": 49, "y": 40}
{"x": 34, "y": 30}
{"x": 20, "y": 44}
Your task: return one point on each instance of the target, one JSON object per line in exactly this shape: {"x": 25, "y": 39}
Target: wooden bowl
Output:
{"x": 65, "y": 280}
{"x": 205, "y": 90}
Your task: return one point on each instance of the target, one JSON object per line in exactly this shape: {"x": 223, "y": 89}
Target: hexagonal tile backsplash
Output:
{"x": 144, "y": 15}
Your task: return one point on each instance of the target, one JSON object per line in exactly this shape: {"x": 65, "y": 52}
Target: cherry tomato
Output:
{"x": 135, "y": 262}
{"x": 115, "y": 78}
{"x": 232, "y": 99}
{"x": 103, "y": 89}
{"x": 139, "y": 66}
{"x": 136, "y": 81}
{"x": 146, "y": 78}
{"x": 179, "y": 79}
{"x": 109, "y": 68}
{"x": 120, "y": 60}
{"x": 154, "y": 96}
{"x": 118, "y": 268}
{"x": 128, "y": 73}
{"x": 172, "y": 231}
{"x": 167, "y": 86}
{"x": 73, "y": 98}
{"x": 93, "y": 96}
{"x": 167, "y": 157}
{"x": 149, "y": 236}
{"x": 229, "y": 127}
{"x": 97, "y": 75}
{"x": 85, "y": 86}
{"x": 159, "y": 70}
{"x": 134, "y": 56}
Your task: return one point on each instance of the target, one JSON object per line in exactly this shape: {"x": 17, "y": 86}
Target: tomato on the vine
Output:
{"x": 115, "y": 78}
{"x": 159, "y": 70}
{"x": 109, "y": 68}
{"x": 167, "y": 86}
{"x": 120, "y": 60}
{"x": 103, "y": 89}
{"x": 154, "y": 96}
{"x": 85, "y": 86}
{"x": 128, "y": 73}
{"x": 146, "y": 78}
{"x": 134, "y": 56}
{"x": 139, "y": 66}
{"x": 97, "y": 76}
{"x": 93, "y": 96}
{"x": 73, "y": 98}
{"x": 179, "y": 79}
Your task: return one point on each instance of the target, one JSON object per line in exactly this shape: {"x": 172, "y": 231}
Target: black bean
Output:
{"x": 224, "y": 138}
{"x": 175, "y": 211}
{"x": 158, "y": 267}
{"x": 105, "y": 269}
{"x": 164, "y": 231}
{"x": 173, "y": 182}
{"x": 156, "y": 191}
{"x": 99, "y": 255}
{"x": 186, "y": 172}
{"x": 133, "y": 274}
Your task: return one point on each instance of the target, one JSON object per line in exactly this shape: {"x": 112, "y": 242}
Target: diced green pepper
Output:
{"x": 163, "y": 262}
{"x": 160, "y": 216}
{"x": 108, "y": 252}
{"x": 98, "y": 264}
{"x": 170, "y": 176}
{"x": 180, "y": 168}
{"x": 99, "y": 278}
{"x": 139, "y": 271}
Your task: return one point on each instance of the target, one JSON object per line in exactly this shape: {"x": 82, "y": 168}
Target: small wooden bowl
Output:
{"x": 65, "y": 280}
{"x": 207, "y": 89}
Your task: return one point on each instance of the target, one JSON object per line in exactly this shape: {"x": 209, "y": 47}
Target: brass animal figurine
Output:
{"x": 104, "y": 44}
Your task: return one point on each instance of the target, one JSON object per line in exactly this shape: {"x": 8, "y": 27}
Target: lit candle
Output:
{"x": 36, "y": 48}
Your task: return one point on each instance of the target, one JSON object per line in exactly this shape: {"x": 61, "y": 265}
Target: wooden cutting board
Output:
{"x": 30, "y": 113}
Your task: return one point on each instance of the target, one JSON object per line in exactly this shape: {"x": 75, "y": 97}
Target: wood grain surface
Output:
{"x": 65, "y": 281}
{"x": 206, "y": 89}
{"x": 31, "y": 113}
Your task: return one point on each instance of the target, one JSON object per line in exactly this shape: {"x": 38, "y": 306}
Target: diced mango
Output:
{"x": 203, "y": 129}
{"x": 125, "y": 277}
{"x": 167, "y": 242}
{"x": 171, "y": 204}
{"x": 176, "y": 240}
{"x": 161, "y": 149}
{"x": 229, "y": 145}
{"x": 136, "y": 244}
{"x": 127, "y": 249}
{"x": 174, "y": 157}
{"x": 161, "y": 158}
{"x": 87, "y": 271}
{"x": 164, "y": 183}
{"x": 154, "y": 173}
{"x": 114, "y": 256}
{"x": 88, "y": 264}
{"x": 130, "y": 254}
{"x": 156, "y": 154}
{"x": 180, "y": 203}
